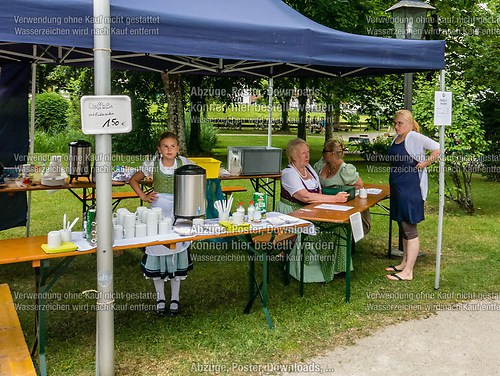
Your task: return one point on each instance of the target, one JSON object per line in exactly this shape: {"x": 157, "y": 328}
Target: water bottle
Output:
{"x": 241, "y": 209}
{"x": 250, "y": 211}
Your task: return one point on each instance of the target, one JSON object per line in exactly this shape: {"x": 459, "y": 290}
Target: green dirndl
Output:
{"x": 324, "y": 253}
{"x": 167, "y": 267}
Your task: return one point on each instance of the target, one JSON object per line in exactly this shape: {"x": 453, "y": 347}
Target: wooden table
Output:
{"x": 12, "y": 188}
{"x": 318, "y": 216}
{"x": 46, "y": 275}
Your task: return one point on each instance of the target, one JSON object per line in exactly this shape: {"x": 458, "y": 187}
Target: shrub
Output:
{"x": 58, "y": 143}
{"x": 51, "y": 112}
{"x": 375, "y": 151}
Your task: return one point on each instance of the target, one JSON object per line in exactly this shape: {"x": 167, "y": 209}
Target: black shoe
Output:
{"x": 174, "y": 311}
{"x": 161, "y": 312}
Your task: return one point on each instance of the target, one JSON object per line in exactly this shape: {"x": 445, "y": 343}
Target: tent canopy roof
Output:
{"x": 261, "y": 37}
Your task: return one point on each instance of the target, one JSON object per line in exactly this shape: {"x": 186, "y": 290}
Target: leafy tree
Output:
{"x": 50, "y": 112}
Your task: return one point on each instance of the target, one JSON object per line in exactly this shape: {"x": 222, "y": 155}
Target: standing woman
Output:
{"x": 160, "y": 263}
{"x": 408, "y": 182}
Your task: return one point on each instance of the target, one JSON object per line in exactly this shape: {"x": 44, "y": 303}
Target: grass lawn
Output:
{"x": 212, "y": 331}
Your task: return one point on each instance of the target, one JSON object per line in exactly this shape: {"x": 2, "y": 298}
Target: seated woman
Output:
{"x": 300, "y": 185}
{"x": 332, "y": 170}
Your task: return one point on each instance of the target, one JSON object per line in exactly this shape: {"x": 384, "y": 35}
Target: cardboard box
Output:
{"x": 254, "y": 160}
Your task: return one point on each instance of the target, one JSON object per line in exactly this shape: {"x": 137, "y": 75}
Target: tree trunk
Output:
{"x": 329, "y": 122}
{"x": 301, "y": 128}
{"x": 172, "y": 84}
{"x": 196, "y": 105}
{"x": 285, "y": 103}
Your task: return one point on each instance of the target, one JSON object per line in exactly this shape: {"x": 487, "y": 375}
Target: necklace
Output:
{"x": 332, "y": 169}
{"x": 296, "y": 169}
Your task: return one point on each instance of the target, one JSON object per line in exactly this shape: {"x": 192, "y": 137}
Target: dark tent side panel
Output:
{"x": 14, "y": 137}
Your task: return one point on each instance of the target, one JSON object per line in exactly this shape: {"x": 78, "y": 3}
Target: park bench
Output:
{"x": 228, "y": 191}
{"x": 15, "y": 358}
{"x": 117, "y": 197}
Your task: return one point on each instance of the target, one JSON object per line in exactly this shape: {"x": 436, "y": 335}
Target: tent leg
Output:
{"x": 441, "y": 193}
{"x": 270, "y": 117}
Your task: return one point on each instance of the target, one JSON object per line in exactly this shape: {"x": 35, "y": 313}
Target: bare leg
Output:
{"x": 411, "y": 249}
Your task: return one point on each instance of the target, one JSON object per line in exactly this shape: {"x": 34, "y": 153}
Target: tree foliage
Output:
{"x": 50, "y": 112}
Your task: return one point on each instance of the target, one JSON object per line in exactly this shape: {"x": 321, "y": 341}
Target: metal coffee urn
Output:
{"x": 79, "y": 159}
{"x": 190, "y": 197}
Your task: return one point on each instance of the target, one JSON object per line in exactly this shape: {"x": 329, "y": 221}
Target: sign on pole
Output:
{"x": 106, "y": 114}
{"x": 442, "y": 107}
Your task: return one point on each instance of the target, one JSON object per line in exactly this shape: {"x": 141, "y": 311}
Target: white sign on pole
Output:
{"x": 442, "y": 107}
{"x": 106, "y": 114}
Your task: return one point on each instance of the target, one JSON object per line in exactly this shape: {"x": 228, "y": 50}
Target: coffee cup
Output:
{"x": 152, "y": 229}
{"x": 159, "y": 212}
{"x": 54, "y": 239}
{"x": 151, "y": 218}
{"x": 118, "y": 232}
{"x": 223, "y": 216}
{"x": 120, "y": 215}
{"x": 143, "y": 215}
{"x": 198, "y": 224}
{"x": 128, "y": 232}
{"x": 141, "y": 230}
{"x": 65, "y": 235}
{"x": 363, "y": 193}
{"x": 165, "y": 226}
{"x": 128, "y": 220}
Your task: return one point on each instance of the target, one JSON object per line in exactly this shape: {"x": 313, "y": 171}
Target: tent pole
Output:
{"x": 102, "y": 86}
{"x": 270, "y": 117}
{"x": 32, "y": 136}
{"x": 441, "y": 191}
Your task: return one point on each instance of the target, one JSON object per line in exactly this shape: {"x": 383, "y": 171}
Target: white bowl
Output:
{"x": 53, "y": 182}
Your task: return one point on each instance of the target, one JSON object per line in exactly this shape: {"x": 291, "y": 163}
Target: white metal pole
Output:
{"x": 270, "y": 117}
{"x": 102, "y": 86}
{"x": 441, "y": 192}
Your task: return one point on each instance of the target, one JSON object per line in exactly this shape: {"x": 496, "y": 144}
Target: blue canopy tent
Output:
{"x": 263, "y": 38}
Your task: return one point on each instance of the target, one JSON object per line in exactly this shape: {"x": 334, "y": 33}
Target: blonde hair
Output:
{"x": 334, "y": 145}
{"x": 409, "y": 117}
{"x": 292, "y": 146}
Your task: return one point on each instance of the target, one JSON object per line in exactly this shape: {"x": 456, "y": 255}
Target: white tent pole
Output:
{"x": 102, "y": 86}
{"x": 441, "y": 191}
{"x": 32, "y": 135}
{"x": 270, "y": 117}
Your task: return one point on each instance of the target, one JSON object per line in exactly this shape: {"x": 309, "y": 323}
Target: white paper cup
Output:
{"x": 65, "y": 235}
{"x": 141, "y": 230}
{"x": 118, "y": 232}
{"x": 54, "y": 239}
{"x": 128, "y": 232}
{"x": 363, "y": 193}
{"x": 128, "y": 220}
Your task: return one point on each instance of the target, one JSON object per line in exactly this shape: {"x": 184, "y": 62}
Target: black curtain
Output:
{"x": 14, "y": 137}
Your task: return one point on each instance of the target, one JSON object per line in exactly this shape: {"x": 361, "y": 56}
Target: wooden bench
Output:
{"x": 233, "y": 189}
{"x": 117, "y": 197}
{"x": 15, "y": 358}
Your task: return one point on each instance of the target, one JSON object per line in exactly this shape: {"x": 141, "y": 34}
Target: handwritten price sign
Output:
{"x": 106, "y": 114}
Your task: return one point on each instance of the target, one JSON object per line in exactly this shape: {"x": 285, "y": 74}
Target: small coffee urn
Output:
{"x": 79, "y": 159}
{"x": 190, "y": 184}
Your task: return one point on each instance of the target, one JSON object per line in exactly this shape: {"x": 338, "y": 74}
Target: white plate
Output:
{"x": 184, "y": 231}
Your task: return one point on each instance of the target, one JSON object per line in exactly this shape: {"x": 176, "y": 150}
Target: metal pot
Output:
{"x": 190, "y": 197}
{"x": 79, "y": 159}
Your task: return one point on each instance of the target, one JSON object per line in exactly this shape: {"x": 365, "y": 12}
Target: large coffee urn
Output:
{"x": 79, "y": 159}
{"x": 190, "y": 182}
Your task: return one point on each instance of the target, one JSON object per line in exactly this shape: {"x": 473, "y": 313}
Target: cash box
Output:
{"x": 334, "y": 189}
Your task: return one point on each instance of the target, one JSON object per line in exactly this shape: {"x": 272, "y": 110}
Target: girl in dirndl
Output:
{"x": 161, "y": 263}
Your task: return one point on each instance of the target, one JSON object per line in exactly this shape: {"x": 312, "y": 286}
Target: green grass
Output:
{"x": 213, "y": 330}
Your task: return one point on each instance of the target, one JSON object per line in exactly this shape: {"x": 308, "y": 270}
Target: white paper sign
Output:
{"x": 106, "y": 114}
{"x": 356, "y": 226}
{"x": 442, "y": 107}
{"x": 334, "y": 207}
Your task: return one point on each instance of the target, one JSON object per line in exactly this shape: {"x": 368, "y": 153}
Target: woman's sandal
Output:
{"x": 392, "y": 268}
{"x": 161, "y": 312}
{"x": 174, "y": 311}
